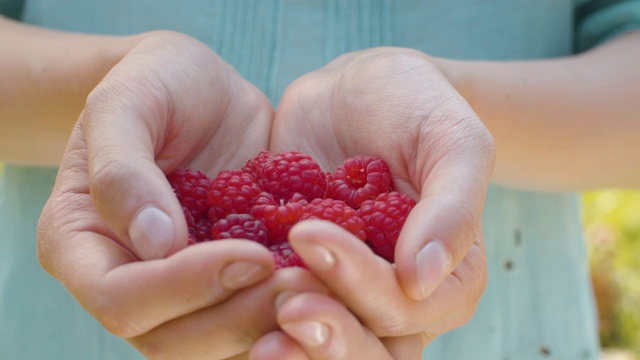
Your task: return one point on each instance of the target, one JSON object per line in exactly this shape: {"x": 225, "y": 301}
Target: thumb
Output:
{"x": 127, "y": 188}
{"x": 447, "y": 220}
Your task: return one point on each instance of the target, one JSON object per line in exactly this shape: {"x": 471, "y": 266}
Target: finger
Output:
{"x": 453, "y": 178}
{"x": 229, "y": 328}
{"x": 368, "y": 285}
{"x": 138, "y": 116}
{"x": 243, "y": 356}
{"x": 76, "y": 246}
{"x": 132, "y": 298}
{"x": 127, "y": 187}
{"x": 325, "y": 329}
{"x": 277, "y": 345}
{"x": 365, "y": 283}
{"x": 407, "y": 347}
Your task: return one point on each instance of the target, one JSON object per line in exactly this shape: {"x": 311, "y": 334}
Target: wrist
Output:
{"x": 90, "y": 66}
{"x": 47, "y": 82}
{"x": 456, "y": 72}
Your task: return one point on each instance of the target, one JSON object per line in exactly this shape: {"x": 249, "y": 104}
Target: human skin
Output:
{"x": 122, "y": 133}
{"x": 520, "y": 102}
{"x": 184, "y": 292}
{"x": 45, "y": 79}
{"x": 561, "y": 124}
{"x": 66, "y": 267}
{"x": 172, "y": 305}
{"x": 394, "y": 104}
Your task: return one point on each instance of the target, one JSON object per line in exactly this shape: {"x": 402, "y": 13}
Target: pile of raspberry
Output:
{"x": 272, "y": 192}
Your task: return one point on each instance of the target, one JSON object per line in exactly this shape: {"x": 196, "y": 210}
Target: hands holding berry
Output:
{"x": 394, "y": 104}
{"x": 170, "y": 103}
{"x": 112, "y": 202}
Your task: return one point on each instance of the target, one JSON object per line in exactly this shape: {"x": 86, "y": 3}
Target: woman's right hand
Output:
{"x": 170, "y": 103}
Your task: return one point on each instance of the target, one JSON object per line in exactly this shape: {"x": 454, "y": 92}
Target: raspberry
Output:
{"x": 240, "y": 226}
{"x": 271, "y": 193}
{"x": 338, "y": 212}
{"x": 285, "y": 256}
{"x": 293, "y": 172}
{"x": 299, "y": 198}
{"x": 191, "y": 222}
{"x": 191, "y": 187}
{"x": 231, "y": 192}
{"x": 278, "y": 217}
{"x": 202, "y": 230}
{"x": 254, "y": 166}
{"x": 383, "y": 219}
{"x": 358, "y": 179}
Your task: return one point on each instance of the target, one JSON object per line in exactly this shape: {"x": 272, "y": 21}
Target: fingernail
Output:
{"x": 309, "y": 333}
{"x": 283, "y": 296}
{"x": 432, "y": 262}
{"x": 152, "y": 233}
{"x": 317, "y": 257}
{"x": 240, "y": 274}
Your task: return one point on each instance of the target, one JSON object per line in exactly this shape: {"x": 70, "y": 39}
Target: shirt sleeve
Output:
{"x": 600, "y": 20}
{"x": 11, "y": 8}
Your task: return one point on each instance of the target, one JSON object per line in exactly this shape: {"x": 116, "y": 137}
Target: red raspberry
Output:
{"x": 285, "y": 256}
{"x": 254, "y": 166}
{"x": 358, "y": 179}
{"x": 231, "y": 192}
{"x": 383, "y": 219}
{"x": 240, "y": 226}
{"x": 277, "y": 216}
{"x": 191, "y": 222}
{"x": 191, "y": 187}
{"x": 338, "y": 212}
{"x": 191, "y": 241}
{"x": 293, "y": 172}
{"x": 202, "y": 230}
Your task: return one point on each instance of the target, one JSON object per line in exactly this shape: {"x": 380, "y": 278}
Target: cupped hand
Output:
{"x": 394, "y": 104}
{"x": 171, "y": 102}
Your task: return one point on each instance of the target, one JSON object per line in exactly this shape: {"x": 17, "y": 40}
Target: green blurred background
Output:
{"x": 611, "y": 221}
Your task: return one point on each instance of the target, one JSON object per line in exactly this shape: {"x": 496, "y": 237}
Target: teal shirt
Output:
{"x": 538, "y": 303}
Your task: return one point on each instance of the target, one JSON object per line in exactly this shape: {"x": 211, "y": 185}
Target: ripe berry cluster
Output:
{"x": 272, "y": 192}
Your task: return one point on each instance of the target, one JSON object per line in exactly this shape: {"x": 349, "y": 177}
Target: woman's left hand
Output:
{"x": 394, "y": 104}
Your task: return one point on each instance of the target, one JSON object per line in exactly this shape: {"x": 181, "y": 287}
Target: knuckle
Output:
{"x": 305, "y": 95}
{"x": 143, "y": 93}
{"x": 393, "y": 324}
{"x": 476, "y": 268}
{"x": 113, "y": 319}
{"x": 56, "y": 222}
{"x": 109, "y": 173}
{"x": 487, "y": 147}
{"x": 397, "y": 61}
{"x": 102, "y": 95}
{"x": 152, "y": 348}
{"x": 302, "y": 89}
{"x": 464, "y": 312}
{"x": 394, "y": 327}
{"x": 42, "y": 241}
{"x": 457, "y": 321}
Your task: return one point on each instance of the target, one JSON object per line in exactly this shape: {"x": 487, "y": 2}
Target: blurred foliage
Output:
{"x": 612, "y": 229}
